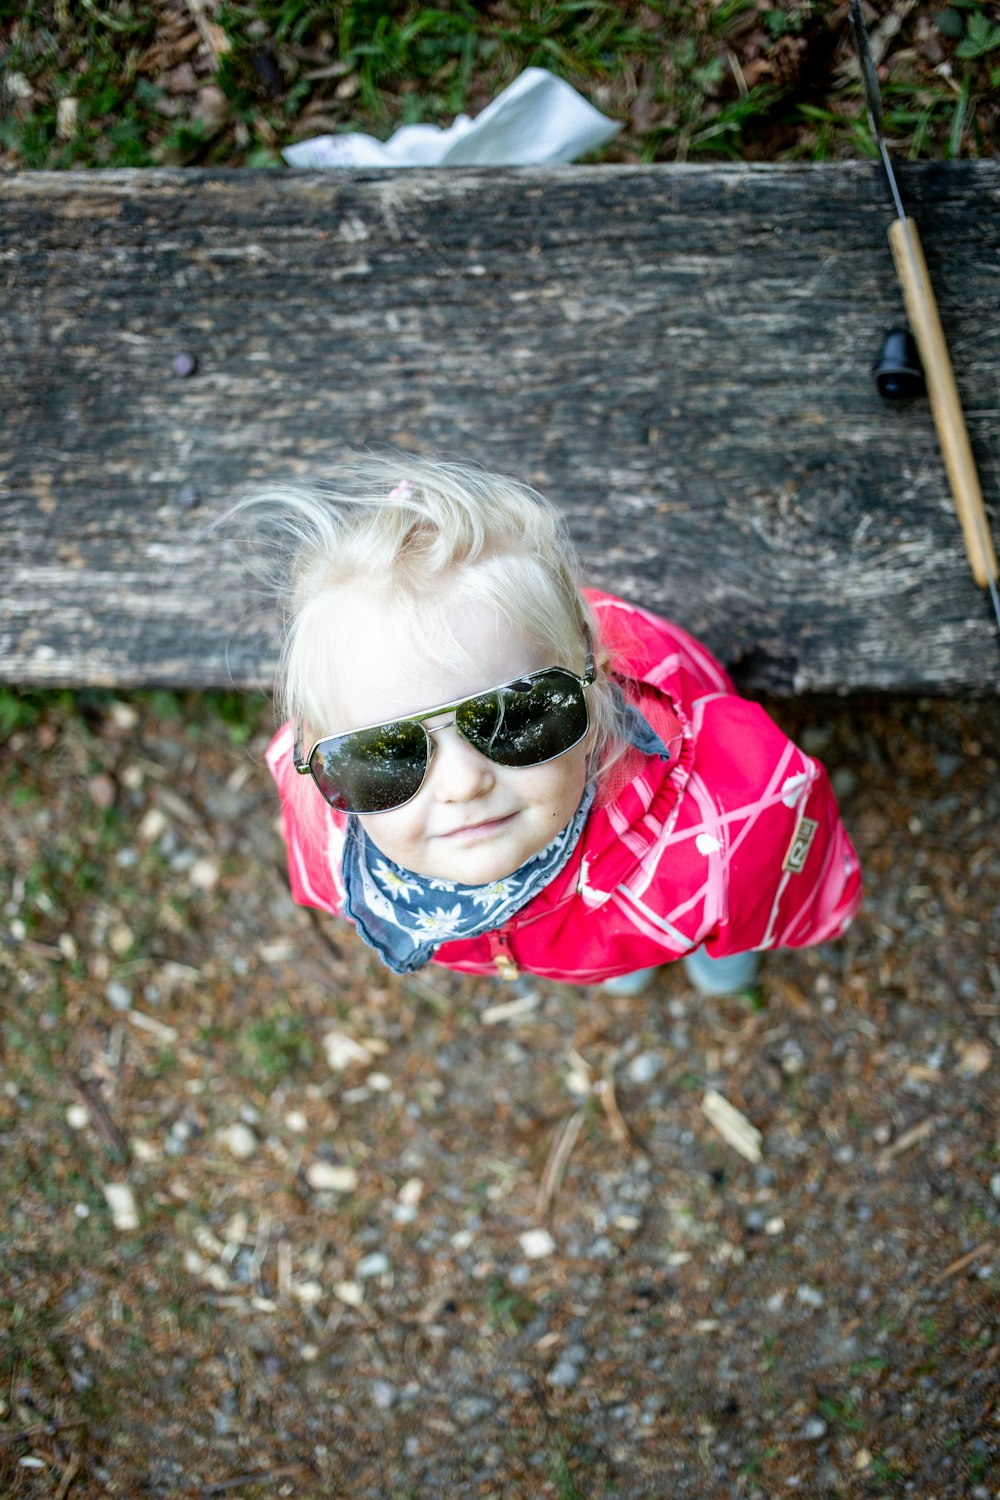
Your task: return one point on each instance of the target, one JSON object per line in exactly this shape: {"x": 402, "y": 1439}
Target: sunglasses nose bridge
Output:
{"x": 436, "y": 728}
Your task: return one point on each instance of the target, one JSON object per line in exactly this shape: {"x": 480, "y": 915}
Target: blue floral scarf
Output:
{"x": 405, "y": 917}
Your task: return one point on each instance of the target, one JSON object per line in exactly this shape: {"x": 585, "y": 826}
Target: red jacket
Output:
{"x": 737, "y": 843}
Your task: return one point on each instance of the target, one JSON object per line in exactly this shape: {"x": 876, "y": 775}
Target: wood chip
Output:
{"x": 511, "y": 1010}
{"x": 904, "y": 1142}
{"x": 121, "y": 1201}
{"x": 733, "y": 1126}
{"x": 555, "y": 1167}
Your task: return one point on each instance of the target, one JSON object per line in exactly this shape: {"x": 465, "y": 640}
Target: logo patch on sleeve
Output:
{"x": 798, "y": 849}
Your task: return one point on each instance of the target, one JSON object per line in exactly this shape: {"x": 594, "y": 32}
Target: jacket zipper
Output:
{"x": 501, "y": 955}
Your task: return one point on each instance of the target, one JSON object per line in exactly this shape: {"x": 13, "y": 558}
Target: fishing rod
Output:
{"x": 921, "y": 308}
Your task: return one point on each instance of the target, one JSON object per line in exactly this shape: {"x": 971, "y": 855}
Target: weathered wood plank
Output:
{"x": 681, "y": 356}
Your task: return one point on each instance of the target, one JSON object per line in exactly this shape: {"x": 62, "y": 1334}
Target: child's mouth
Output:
{"x": 471, "y": 832}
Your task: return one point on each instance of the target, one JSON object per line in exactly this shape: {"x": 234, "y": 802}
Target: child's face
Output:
{"x": 472, "y": 821}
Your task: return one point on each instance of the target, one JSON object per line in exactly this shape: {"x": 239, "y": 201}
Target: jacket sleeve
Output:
{"x": 313, "y": 832}
{"x": 790, "y": 876}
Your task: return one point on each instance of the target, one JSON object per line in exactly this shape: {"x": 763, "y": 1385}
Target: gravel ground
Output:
{"x": 279, "y": 1223}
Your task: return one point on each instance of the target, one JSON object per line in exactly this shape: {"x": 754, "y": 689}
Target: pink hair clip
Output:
{"x": 402, "y": 491}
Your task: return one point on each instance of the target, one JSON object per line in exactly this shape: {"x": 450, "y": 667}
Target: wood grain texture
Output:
{"x": 679, "y": 356}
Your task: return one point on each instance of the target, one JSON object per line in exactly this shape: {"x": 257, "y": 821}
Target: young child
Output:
{"x": 486, "y": 767}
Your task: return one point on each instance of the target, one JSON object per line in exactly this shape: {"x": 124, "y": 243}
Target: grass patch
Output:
{"x": 125, "y": 85}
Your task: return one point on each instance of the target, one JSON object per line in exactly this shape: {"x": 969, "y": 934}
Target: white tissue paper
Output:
{"x": 537, "y": 119}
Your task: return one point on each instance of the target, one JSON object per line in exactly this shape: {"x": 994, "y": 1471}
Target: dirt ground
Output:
{"x": 279, "y": 1223}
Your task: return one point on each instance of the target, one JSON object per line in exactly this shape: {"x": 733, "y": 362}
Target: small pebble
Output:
{"x": 119, "y": 995}
{"x": 120, "y": 939}
{"x": 349, "y": 1293}
{"x": 814, "y": 1429}
{"x": 644, "y": 1068}
{"x": 239, "y": 1140}
{"x": 77, "y": 1116}
{"x": 811, "y": 1296}
{"x": 188, "y": 496}
{"x": 537, "y": 1243}
{"x": 995, "y": 1184}
{"x": 376, "y": 1264}
{"x": 153, "y": 825}
{"x": 327, "y": 1177}
{"x": 565, "y": 1373}
{"x": 184, "y": 364}
{"x": 342, "y": 1051}
{"x": 383, "y": 1394}
{"x": 204, "y": 874}
{"x": 471, "y": 1409}
{"x": 102, "y": 791}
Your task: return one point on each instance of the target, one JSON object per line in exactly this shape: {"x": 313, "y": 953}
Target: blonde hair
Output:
{"x": 412, "y": 525}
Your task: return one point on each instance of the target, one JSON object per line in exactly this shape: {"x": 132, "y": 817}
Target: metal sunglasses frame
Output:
{"x": 304, "y": 766}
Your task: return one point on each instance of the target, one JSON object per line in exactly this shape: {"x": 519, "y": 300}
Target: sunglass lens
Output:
{"x": 528, "y": 722}
{"x": 373, "y": 770}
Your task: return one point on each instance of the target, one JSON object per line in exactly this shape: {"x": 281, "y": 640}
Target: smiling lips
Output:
{"x": 472, "y": 831}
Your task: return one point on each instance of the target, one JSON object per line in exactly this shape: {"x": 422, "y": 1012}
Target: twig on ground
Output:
{"x": 102, "y": 1121}
{"x": 555, "y": 1167}
{"x": 962, "y": 1262}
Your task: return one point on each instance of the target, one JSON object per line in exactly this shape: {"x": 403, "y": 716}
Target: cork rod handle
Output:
{"x": 948, "y": 419}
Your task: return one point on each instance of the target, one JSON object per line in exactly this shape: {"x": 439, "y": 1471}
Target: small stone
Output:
{"x": 327, "y": 1177}
{"x": 383, "y": 1394}
{"x": 77, "y": 1117}
{"x": 811, "y": 1296}
{"x": 101, "y": 790}
{"x": 469, "y": 1409}
{"x": 565, "y": 1373}
{"x": 308, "y": 1292}
{"x": 188, "y": 496}
{"x": 995, "y": 1185}
{"x": 343, "y": 1052}
{"x": 974, "y": 1059}
{"x": 239, "y": 1140}
{"x": 124, "y": 716}
{"x": 120, "y": 939}
{"x": 376, "y": 1264}
{"x": 153, "y": 825}
{"x": 204, "y": 874}
{"x": 644, "y": 1068}
{"x": 814, "y": 1429}
{"x": 184, "y": 364}
{"x": 349, "y": 1293}
{"x": 537, "y": 1243}
{"x": 119, "y": 995}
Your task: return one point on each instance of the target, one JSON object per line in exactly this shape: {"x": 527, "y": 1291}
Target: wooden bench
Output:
{"x": 681, "y": 356}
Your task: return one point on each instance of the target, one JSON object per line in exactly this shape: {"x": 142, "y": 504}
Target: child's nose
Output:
{"x": 458, "y": 771}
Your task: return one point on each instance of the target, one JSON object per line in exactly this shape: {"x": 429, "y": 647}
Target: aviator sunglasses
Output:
{"x": 526, "y": 722}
